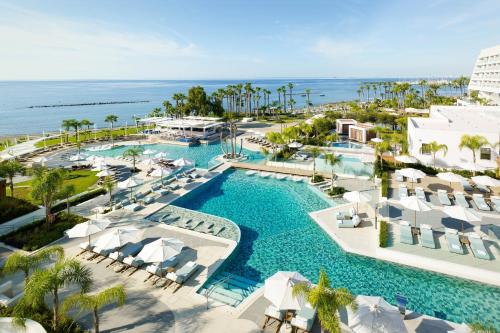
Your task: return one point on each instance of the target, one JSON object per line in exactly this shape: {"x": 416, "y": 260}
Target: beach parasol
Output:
{"x": 417, "y": 205}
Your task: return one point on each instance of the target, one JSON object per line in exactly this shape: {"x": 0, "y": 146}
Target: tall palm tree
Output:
{"x": 279, "y": 91}
{"x": 283, "y": 90}
{"x": 290, "y": 87}
{"x": 275, "y": 139}
{"x": 87, "y": 123}
{"x": 9, "y": 169}
{"x": 111, "y": 119}
{"x": 134, "y": 153}
{"x": 49, "y": 281}
{"x": 94, "y": 302}
{"x": 474, "y": 143}
{"x": 422, "y": 84}
{"x": 109, "y": 185}
{"x": 248, "y": 100}
{"x": 18, "y": 261}
{"x": 333, "y": 160}
{"x": 45, "y": 187}
{"x": 315, "y": 152}
{"x": 307, "y": 91}
{"x": 434, "y": 147}
{"x": 67, "y": 124}
{"x": 327, "y": 300}
{"x": 66, "y": 193}
{"x": 380, "y": 149}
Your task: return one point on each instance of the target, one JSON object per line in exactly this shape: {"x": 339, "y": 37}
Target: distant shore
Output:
{"x": 85, "y": 104}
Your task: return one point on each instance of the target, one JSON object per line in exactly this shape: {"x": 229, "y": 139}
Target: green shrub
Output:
{"x": 78, "y": 200}
{"x": 383, "y": 234}
{"x": 385, "y": 184}
{"x": 337, "y": 190}
{"x": 10, "y": 208}
{"x": 38, "y": 234}
{"x": 317, "y": 179}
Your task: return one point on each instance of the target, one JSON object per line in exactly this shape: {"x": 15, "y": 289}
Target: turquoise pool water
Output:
{"x": 278, "y": 234}
{"x": 347, "y": 144}
{"x": 203, "y": 155}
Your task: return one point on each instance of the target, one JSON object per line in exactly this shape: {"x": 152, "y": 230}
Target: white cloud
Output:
{"x": 331, "y": 48}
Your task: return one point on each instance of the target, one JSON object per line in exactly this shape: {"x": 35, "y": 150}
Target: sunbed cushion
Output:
{"x": 273, "y": 312}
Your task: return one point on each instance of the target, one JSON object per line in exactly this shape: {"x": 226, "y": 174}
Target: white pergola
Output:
{"x": 190, "y": 126}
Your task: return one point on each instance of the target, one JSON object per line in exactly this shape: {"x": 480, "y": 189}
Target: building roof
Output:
{"x": 474, "y": 119}
{"x": 363, "y": 125}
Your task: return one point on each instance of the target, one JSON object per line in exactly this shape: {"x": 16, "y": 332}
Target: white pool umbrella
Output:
{"x": 451, "y": 177}
{"x": 278, "y": 290}
{"x": 161, "y": 172}
{"x": 182, "y": 162}
{"x": 149, "y": 162}
{"x": 377, "y": 140}
{"x": 161, "y": 155}
{"x": 406, "y": 159}
{"x": 160, "y": 250}
{"x": 117, "y": 238}
{"x": 375, "y": 315}
{"x": 295, "y": 145}
{"x": 357, "y": 197}
{"x": 77, "y": 157}
{"x": 129, "y": 183}
{"x": 88, "y": 228}
{"x": 413, "y": 174}
{"x": 416, "y": 205}
{"x": 105, "y": 173}
{"x": 148, "y": 152}
{"x": 486, "y": 181}
{"x": 462, "y": 214}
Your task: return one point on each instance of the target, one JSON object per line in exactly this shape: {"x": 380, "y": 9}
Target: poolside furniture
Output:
{"x": 133, "y": 207}
{"x": 180, "y": 276}
{"x": 495, "y": 200}
{"x": 99, "y": 252}
{"x": 155, "y": 187}
{"x": 427, "y": 236}
{"x": 148, "y": 200}
{"x": 399, "y": 176}
{"x": 467, "y": 186}
{"x": 477, "y": 247}
{"x": 453, "y": 241}
{"x": 162, "y": 192}
{"x": 419, "y": 192}
{"x": 460, "y": 199}
{"x": 130, "y": 262}
{"x": 403, "y": 191}
{"x": 218, "y": 230}
{"x": 160, "y": 270}
{"x": 402, "y": 301}
{"x": 349, "y": 222}
{"x": 194, "y": 225}
{"x": 85, "y": 247}
{"x": 125, "y": 202}
{"x": 480, "y": 203}
{"x": 405, "y": 234}
{"x": 304, "y": 319}
{"x": 483, "y": 188}
{"x": 184, "y": 223}
{"x": 7, "y": 295}
{"x": 174, "y": 187}
{"x": 131, "y": 249}
{"x": 206, "y": 228}
{"x": 443, "y": 198}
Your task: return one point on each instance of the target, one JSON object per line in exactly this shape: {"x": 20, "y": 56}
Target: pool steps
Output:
{"x": 233, "y": 289}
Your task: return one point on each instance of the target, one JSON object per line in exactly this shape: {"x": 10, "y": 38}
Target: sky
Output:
{"x": 236, "y": 39}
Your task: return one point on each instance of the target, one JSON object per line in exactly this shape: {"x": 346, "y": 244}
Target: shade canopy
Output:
{"x": 88, "y": 228}
{"x": 129, "y": 183}
{"x": 414, "y": 203}
{"x": 486, "y": 181}
{"x": 278, "y": 289}
{"x": 182, "y": 162}
{"x": 105, "y": 173}
{"x": 412, "y": 173}
{"x": 356, "y": 196}
{"x": 406, "y": 159}
{"x": 148, "y": 161}
{"x": 295, "y": 145}
{"x": 40, "y": 159}
{"x": 375, "y": 315}
{"x": 77, "y": 157}
{"x": 377, "y": 140}
{"x": 461, "y": 213}
{"x": 117, "y": 238}
{"x": 161, "y": 172}
{"x": 160, "y": 250}
{"x": 451, "y": 177}
{"x": 161, "y": 154}
{"x": 148, "y": 152}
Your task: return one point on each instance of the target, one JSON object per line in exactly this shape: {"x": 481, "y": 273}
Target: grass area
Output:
{"x": 81, "y": 179}
{"x": 85, "y": 136}
{"x": 36, "y": 235}
{"x": 11, "y": 208}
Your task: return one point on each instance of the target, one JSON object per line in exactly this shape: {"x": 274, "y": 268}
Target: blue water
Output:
{"x": 350, "y": 145}
{"x": 278, "y": 234}
{"x": 202, "y": 155}
{"x": 17, "y": 96}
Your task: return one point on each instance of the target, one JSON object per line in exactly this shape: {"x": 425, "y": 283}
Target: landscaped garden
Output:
{"x": 10, "y": 208}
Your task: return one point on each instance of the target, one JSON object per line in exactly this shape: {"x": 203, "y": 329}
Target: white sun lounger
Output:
{"x": 420, "y": 193}
{"x": 460, "y": 199}
{"x": 427, "y": 236}
{"x": 131, "y": 249}
{"x": 480, "y": 203}
{"x": 403, "y": 191}
{"x": 495, "y": 200}
{"x": 443, "y": 198}
{"x": 180, "y": 276}
{"x": 453, "y": 241}
{"x": 304, "y": 319}
{"x": 160, "y": 271}
{"x": 477, "y": 247}
{"x": 405, "y": 235}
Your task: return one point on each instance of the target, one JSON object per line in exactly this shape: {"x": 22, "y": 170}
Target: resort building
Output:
{"x": 485, "y": 76}
{"x": 192, "y": 126}
{"x": 360, "y": 132}
{"x": 342, "y": 126}
{"x": 446, "y": 125}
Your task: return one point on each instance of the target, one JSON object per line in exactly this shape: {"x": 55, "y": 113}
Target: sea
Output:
{"x": 19, "y": 116}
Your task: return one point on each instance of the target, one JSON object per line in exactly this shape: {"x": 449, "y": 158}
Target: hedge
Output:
{"x": 385, "y": 184}
{"x": 10, "y": 208}
{"x": 79, "y": 199}
{"x": 383, "y": 234}
{"x": 337, "y": 190}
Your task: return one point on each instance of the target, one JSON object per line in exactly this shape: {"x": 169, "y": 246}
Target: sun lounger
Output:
{"x": 477, "y": 247}
{"x": 403, "y": 191}
{"x": 453, "y": 241}
{"x": 85, "y": 247}
{"x": 483, "y": 188}
{"x": 155, "y": 270}
{"x": 467, "y": 186}
{"x": 273, "y": 315}
{"x": 185, "y": 223}
{"x": 427, "y": 236}
{"x": 180, "y": 276}
{"x": 304, "y": 319}
{"x": 131, "y": 249}
{"x": 460, "y": 199}
{"x": 405, "y": 235}
{"x": 206, "y": 228}
{"x": 149, "y": 200}
{"x": 133, "y": 207}
{"x": 399, "y": 177}
{"x": 195, "y": 225}
{"x": 443, "y": 198}
{"x": 218, "y": 230}
{"x": 419, "y": 192}
{"x": 495, "y": 200}
{"x": 130, "y": 262}
{"x": 349, "y": 223}
{"x": 174, "y": 187}
{"x": 480, "y": 203}
{"x": 155, "y": 187}
{"x": 99, "y": 252}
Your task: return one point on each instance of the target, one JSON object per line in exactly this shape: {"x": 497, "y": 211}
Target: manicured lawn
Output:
{"x": 36, "y": 235}
{"x": 11, "y": 208}
{"x": 81, "y": 179}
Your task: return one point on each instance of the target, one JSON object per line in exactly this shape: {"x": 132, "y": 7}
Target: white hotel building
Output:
{"x": 446, "y": 125}
{"x": 485, "y": 76}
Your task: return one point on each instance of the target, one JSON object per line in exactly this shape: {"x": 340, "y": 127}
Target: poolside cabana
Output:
{"x": 191, "y": 127}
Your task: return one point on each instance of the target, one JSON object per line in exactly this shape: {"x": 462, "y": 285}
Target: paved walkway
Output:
{"x": 19, "y": 149}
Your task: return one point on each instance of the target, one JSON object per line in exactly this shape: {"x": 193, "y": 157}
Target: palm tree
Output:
{"x": 290, "y": 86}
{"x": 49, "y": 281}
{"x": 333, "y": 160}
{"x": 111, "y": 119}
{"x": 474, "y": 143}
{"x": 327, "y": 300}
{"x": 283, "y": 90}
{"x": 435, "y": 148}
{"x": 66, "y": 193}
{"x": 9, "y": 169}
{"x": 134, "y": 153}
{"x": 18, "y": 261}
{"x": 380, "y": 149}
{"x": 88, "y": 123}
{"x": 315, "y": 152}
{"x": 94, "y": 302}
{"x": 248, "y": 100}
{"x": 276, "y": 139}
{"x": 308, "y": 99}
{"x": 45, "y": 187}
{"x": 109, "y": 185}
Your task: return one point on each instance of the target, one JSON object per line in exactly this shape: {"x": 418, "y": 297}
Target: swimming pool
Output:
{"x": 278, "y": 234}
{"x": 203, "y": 155}
{"x": 347, "y": 144}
